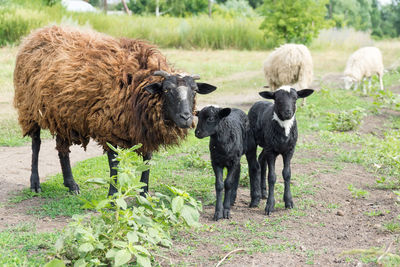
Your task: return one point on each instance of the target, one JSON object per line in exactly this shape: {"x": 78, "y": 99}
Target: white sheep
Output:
{"x": 290, "y": 64}
{"x": 363, "y": 63}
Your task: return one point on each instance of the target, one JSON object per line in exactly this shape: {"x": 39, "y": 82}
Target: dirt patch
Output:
{"x": 318, "y": 235}
{"x": 16, "y": 161}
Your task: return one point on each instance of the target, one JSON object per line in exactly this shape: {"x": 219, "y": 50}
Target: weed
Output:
{"x": 346, "y": 120}
{"x": 118, "y": 234}
{"x": 392, "y": 226}
{"x": 357, "y": 193}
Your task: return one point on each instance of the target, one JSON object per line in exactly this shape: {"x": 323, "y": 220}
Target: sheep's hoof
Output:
{"x": 218, "y": 215}
{"x": 264, "y": 194}
{"x": 289, "y": 204}
{"x": 269, "y": 207}
{"x": 74, "y": 189}
{"x": 227, "y": 214}
{"x": 254, "y": 203}
{"x": 36, "y": 189}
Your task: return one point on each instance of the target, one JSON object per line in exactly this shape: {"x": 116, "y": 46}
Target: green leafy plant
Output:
{"x": 346, "y": 120}
{"x": 126, "y": 225}
{"x": 356, "y": 192}
{"x": 283, "y": 24}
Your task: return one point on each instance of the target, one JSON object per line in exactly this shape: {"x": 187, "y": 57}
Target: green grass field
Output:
{"x": 237, "y": 74}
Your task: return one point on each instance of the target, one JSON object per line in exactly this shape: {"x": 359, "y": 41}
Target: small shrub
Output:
{"x": 126, "y": 225}
{"x": 357, "y": 193}
{"x": 346, "y": 120}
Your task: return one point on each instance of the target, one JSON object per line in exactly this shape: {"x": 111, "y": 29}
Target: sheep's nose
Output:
{"x": 186, "y": 116}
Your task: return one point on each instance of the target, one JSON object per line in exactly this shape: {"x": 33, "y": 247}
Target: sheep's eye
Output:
{"x": 210, "y": 119}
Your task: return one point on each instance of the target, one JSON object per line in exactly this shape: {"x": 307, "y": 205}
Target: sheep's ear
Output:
{"x": 153, "y": 88}
{"x": 267, "y": 94}
{"x": 304, "y": 93}
{"x": 196, "y": 113}
{"x": 205, "y": 88}
{"x": 224, "y": 112}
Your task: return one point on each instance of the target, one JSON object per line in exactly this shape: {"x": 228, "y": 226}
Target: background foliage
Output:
{"x": 237, "y": 24}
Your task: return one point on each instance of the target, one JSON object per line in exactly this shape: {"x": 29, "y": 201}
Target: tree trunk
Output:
{"x": 157, "y": 8}
{"x": 105, "y": 6}
{"x": 210, "y": 2}
{"x": 126, "y": 8}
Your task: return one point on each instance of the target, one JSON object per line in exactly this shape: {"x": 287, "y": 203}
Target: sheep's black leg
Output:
{"x": 63, "y": 154}
{"x": 111, "y": 154}
{"x": 145, "y": 175}
{"x": 286, "y": 173}
{"x": 35, "y": 183}
{"x": 236, "y": 178}
{"x": 271, "y": 158}
{"x": 229, "y": 188}
{"x": 254, "y": 173}
{"x": 262, "y": 160}
{"x": 219, "y": 186}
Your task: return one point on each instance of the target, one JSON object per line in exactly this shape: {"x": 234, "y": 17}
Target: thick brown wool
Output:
{"x": 83, "y": 84}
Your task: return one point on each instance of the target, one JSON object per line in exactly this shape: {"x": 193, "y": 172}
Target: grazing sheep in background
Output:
{"x": 83, "y": 84}
{"x": 230, "y": 139}
{"x": 363, "y": 63}
{"x": 275, "y": 130}
{"x": 289, "y": 64}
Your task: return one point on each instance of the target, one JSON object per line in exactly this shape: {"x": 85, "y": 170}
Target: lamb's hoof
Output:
{"x": 36, "y": 189}
{"x": 254, "y": 203}
{"x": 227, "y": 214}
{"x": 74, "y": 189}
{"x": 264, "y": 194}
{"x": 218, "y": 215}
{"x": 269, "y": 207}
{"x": 289, "y": 204}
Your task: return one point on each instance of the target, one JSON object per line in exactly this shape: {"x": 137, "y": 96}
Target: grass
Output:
{"x": 22, "y": 245}
{"x": 187, "y": 166}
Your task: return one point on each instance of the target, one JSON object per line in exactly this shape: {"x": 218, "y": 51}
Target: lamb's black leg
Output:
{"x": 63, "y": 154}
{"x": 145, "y": 175}
{"x": 271, "y": 158}
{"x": 286, "y": 173}
{"x": 254, "y": 173}
{"x": 35, "y": 183}
{"x": 229, "y": 187}
{"x": 236, "y": 178}
{"x": 111, "y": 154}
{"x": 219, "y": 186}
{"x": 262, "y": 160}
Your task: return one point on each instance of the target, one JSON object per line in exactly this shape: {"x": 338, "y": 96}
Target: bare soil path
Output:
{"x": 15, "y": 166}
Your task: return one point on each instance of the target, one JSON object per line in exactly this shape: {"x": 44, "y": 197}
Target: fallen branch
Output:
{"x": 227, "y": 255}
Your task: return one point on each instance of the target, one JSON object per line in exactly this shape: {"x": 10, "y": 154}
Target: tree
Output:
{"x": 126, "y": 8}
{"x": 295, "y": 21}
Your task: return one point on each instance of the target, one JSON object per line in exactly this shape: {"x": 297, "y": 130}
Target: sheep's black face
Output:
{"x": 285, "y": 103}
{"x": 179, "y": 93}
{"x": 285, "y": 100}
{"x": 209, "y": 118}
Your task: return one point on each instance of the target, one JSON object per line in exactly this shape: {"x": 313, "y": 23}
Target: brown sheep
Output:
{"x": 83, "y": 84}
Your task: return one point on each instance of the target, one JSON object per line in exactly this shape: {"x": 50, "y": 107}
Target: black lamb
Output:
{"x": 230, "y": 138}
{"x": 275, "y": 130}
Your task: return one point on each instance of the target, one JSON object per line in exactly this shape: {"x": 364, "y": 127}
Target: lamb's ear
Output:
{"x": 153, "y": 88}
{"x": 196, "y": 113}
{"x": 304, "y": 93}
{"x": 224, "y": 112}
{"x": 205, "y": 88}
{"x": 267, "y": 94}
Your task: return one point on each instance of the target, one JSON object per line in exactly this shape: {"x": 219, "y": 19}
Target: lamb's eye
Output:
{"x": 210, "y": 119}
